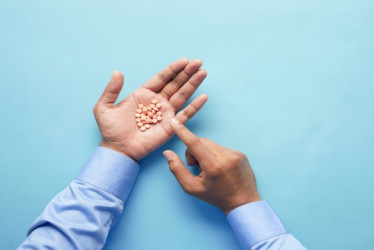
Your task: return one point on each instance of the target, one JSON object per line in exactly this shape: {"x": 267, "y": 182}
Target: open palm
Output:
{"x": 172, "y": 87}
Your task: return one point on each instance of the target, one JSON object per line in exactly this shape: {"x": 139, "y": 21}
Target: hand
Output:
{"x": 172, "y": 87}
{"x": 226, "y": 179}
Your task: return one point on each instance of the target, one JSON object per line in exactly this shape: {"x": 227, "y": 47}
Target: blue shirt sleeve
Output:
{"x": 81, "y": 216}
{"x": 257, "y": 227}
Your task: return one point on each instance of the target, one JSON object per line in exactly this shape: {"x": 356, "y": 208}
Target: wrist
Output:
{"x": 241, "y": 201}
{"x": 118, "y": 149}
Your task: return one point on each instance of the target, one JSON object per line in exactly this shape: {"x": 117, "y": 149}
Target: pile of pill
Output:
{"x": 146, "y": 116}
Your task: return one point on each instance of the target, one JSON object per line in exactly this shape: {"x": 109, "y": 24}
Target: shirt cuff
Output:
{"x": 255, "y": 222}
{"x": 110, "y": 171}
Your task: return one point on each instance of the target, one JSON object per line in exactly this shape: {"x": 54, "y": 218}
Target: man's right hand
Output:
{"x": 226, "y": 179}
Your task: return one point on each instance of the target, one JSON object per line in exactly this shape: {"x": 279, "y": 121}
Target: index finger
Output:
{"x": 193, "y": 143}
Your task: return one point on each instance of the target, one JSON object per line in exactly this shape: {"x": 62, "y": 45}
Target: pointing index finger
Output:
{"x": 193, "y": 143}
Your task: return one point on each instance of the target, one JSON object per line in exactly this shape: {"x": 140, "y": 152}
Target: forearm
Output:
{"x": 77, "y": 218}
{"x": 81, "y": 216}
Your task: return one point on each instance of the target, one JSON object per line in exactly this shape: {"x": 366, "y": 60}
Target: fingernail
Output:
{"x": 168, "y": 155}
{"x": 174, "y": 121}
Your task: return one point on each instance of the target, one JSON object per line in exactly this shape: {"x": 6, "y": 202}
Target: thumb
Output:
{"x": 112, "y": 90}
{"x": 181, "y": 173}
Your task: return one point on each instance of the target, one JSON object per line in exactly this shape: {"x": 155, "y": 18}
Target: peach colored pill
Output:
{"x": 140, "y": 106}
{"x": 147, "y": 126}
{"x": 154, "y": 117}
{"x": 154, "y": 101}
{"x": 145, "y": 109}
{"x": 149, "y": 109}
{"x": 149, "y": 121}
{"x": 159, "y": 113}
{"x": 150, "y": 114}
{"x": 158, "y": 105}
{"x": 137, "y": 115}
{"x": 138, "y": 119}
{"x": 140, "y": 124}
{"x": 155, "y": 109}
{"x": 152, "y": 106}
{"x": 142, "y": 128}
{"x": 139, "y": 111}
{"x": 154, "y": 120}
{"x": 143, "y": 118}
{"x": 159, "y": 118}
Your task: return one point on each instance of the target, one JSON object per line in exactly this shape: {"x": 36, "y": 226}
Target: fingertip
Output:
{"x": 117, "y": 78}
{"x": 115, "y": 84}
{"x": 203, "y": 72}
{"x": 173, "y": 161}
{"x": 183, "y": 60}
{"x": 204, "y": 97}
{"x": 174, "y": 122}
{"x": 197, "y": 61}
{"x": 117, "y": 74}
{"x": 168, "y": 154}
{"x": 112, "y": 89}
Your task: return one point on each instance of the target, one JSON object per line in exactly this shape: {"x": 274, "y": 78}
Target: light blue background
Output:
{"x": 290, "y": 83}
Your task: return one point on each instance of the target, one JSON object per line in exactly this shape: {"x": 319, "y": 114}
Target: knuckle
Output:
{"x": 172, "y": 70}
{"x": 216, "y": 170}
{"x": 176, "y": 81}
{"x": 172, "y": 168}
{"x": 188, "y": 112}
{"x": 203, "y": 139}
{"x": 186, "y": 73}
{"x": 237, "y": 157}
{"x": 181, "y": 94}
{"x": 242, "y": 156}
{"x": 161, "y": 77}
{"x": 95, "y": 109}
{"x": 185, "y": 114}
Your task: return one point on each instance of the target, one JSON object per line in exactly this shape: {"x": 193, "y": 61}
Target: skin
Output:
{"x": 172, "y": 87}
{"x": 226, "y": 179}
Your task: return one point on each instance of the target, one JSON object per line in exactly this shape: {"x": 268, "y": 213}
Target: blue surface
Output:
{"x": 290, "y": 84}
